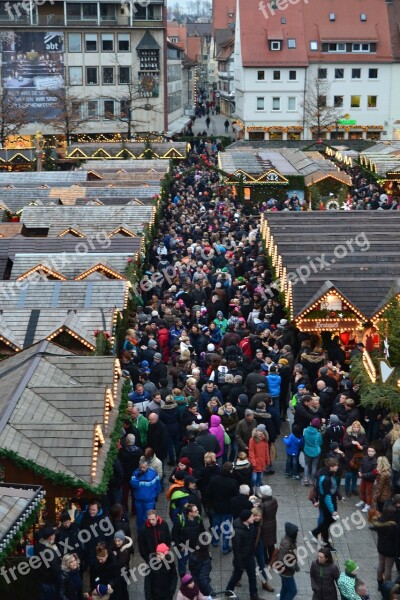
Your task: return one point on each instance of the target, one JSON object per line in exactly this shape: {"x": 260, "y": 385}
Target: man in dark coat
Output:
{"x": 302, "y": 413}
{"x": 195, "y": 453}
{"x": 49, "y": 571}
{"x": 91, "y": 520}
{"x": 221, "y": 489}
{"x": 161, "y": 581}
{"x": 129, "y": 457}
{"x": 158, "y": 370}
{"x": 241, "y": 501}
{"x": 207, "y": 439}
{"x": 157, "y": 437}
{"x": 186, "y": 530}
{"x": 154, "y": 531}
{"x": 243, "y": 543}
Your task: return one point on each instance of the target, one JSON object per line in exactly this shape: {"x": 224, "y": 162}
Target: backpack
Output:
{"x": 396, "y": 455}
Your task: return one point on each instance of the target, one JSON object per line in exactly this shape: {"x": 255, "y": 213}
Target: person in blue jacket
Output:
{"x": 326, "y": 494}
{"x": 312, "y": 450}
{"x": 294, "y": 443}
{"x": 274, "y": 386}
{"x": 146, "y": 486}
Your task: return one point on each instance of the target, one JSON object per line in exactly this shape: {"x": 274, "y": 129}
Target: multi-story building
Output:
{"x": 317, "y": 69}
{"x": 180, "y": 88}
{"x": 225, "y": 95}
{"x": 108, "y": 57}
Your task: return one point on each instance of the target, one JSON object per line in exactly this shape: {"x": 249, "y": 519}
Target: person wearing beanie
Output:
{"x": 269, "y": 509}
{"x": 122, "y": 548}
{"x": 242, "y": 405}
{"x": 188, "y": 590}
{"x": 348, "y": 580}
{"x": 243, "y": 544}
{"x": 334, "y": 431}
{"x": 287, "y": 555}
{"x": 161, "y": 581}
{"x": 312, "y": 450}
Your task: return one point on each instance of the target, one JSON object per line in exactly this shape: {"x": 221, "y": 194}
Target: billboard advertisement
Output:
{"x": 32, "y": 66}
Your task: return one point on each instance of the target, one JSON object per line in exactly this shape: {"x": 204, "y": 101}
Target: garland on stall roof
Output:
{"x": 67, "y": 480}
{"x": 26, "y": 526}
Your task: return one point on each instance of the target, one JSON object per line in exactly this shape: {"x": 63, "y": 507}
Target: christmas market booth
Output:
{"x": 259, "y": 173}
{"x": 335, "y": 270}
{"x": 60, "y": 416}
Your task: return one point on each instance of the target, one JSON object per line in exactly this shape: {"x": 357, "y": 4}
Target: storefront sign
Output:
{"x": 328, "y": 324}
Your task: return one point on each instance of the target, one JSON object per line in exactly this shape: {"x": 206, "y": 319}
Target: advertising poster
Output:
{"x": 33, "y": 65}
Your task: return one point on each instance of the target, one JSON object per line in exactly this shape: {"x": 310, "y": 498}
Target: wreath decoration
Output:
{"x": 332, "y": 205}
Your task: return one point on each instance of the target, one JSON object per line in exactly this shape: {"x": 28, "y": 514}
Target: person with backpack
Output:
{"x": 187, "y": 529}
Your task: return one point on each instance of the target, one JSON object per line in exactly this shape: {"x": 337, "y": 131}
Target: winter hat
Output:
{"x": 243, "y": 400}
{"x": 158, "y": 356}
{"x": 260, "y": 386}
{"x": 47, "y": 532}
{"x": 265, "y": 490}
{"x": 65, "y": 516}
{"x": 152, "y": 344}
{"x": 291, "y": 530}
{"x": 190, "y": 479}
{"x": 163, "y": 548}
{"x": 220, "y": 313}
{"x": 334, "y": 420}
{"x": 315, "y": 423}
{"x": 210, "y": 348}
{"x": 261, "y": 427}
{"x": 185, "y": 461}
{"x": 301, "y": 386}
{"x": 179, "y": 476}
{"x": 102, "y": 589}
{"x": 186, "y": 579}
{"x": 351, "y": 566}
{"x": 245, "y": 515}
{"x": 119, "y": 535}
{"x": 334, "y": 446}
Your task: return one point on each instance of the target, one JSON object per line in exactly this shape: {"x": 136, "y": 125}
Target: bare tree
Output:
{"x": 318, "y": 113}
{"x": 12, "y": 115}
{"x": 70, "y": 114}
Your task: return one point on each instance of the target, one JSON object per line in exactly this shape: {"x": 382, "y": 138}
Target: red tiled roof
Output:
{"x": 221, "y": 10}
{"x": 193, "y": 47}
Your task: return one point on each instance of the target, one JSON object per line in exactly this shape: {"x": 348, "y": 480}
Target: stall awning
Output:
{"x": 177, "y": 125}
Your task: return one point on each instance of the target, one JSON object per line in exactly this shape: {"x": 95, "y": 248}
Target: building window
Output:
{"x": 89, "y": 11}
{"x": 372, "y": 73}
{"x": 340, "y": 47}
{"x": 75, "y": 76}
{"x": 93, "y": 109}
{"x": 107, "y": 42}
{"x": 260, "y": 75}
{"x": 332, "y": 17}
{"x": 124, "y": 42}
{"x": 92, "y": 76}
{"x": 292, "y": 75}
{"x": 108, "y": 75}
{"x": 339, "y": 73}
{"x": 361, "y": 48}
{"x": 109, "y": 109}
{"x": 107, "y": 11}
{"x": 337, "y": 101}
{"x": 291, "y": 103}
{"x": 91, "y": 42}
{"x": 276, "y": 75}
{"x": 276, "y": 103}
{"x": 291, "y": 43}
{"x": 124, "y": 75}
{"x": 260, "y": 103}
{"x": 313, "y": 45}
{"x": 363, "y": 17}
{"x": 322, "y": 73}
{"x": 275, "y": 46}
{"x": 321, "y": 101}
{"x": 74, "y": 42}
{"x": 125, "y": 108}
{"x": 356, "y": 73}
{"x": 372, "y": 101}
{"x": 355, "y": 101}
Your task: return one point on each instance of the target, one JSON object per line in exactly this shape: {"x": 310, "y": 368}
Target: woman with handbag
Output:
{"x": 354, "y": 443}
{"x": 383, "y": 491}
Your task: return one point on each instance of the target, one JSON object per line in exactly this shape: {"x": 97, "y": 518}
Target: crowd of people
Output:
{"x": 217, "y": 374}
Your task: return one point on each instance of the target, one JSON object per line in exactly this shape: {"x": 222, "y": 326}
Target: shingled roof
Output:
{"x": 358, "y": 252}
{"x": 56, "y": 412}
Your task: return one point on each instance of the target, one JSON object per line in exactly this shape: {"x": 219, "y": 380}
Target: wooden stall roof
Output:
{"x": 67, "y": 295}
{"x": 132, "y": 151}
{"x": 15, "y": 499}
{"x": 51, "y": 403}
{"x": 84, "y": 221}
{"x": 74, "y": 265}
{"x": 369, "y": 270}
{"x": 20, "y": 328}
{"x": 42, "y": 178}
{"x": 111, "y": 167}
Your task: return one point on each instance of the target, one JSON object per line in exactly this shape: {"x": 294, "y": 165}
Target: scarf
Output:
{"x": 189, "y": 592}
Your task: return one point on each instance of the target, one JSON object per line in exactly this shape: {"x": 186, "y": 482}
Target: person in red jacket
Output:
{"x": 259, "y": 453}
{"x": 163, "y": 341}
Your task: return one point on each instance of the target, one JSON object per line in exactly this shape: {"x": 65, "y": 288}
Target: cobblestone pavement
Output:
{"x": 356, "y": 542}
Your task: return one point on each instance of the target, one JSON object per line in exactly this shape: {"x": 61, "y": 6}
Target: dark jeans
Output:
{"x": 200, "y": 570}
{"x": 288, "y": 589}
{"x": 324, "y": 522}
{"x": 224, "y": 520}
{"x": 173, "y": 448}
{"x": 292, "y": 464}
{"x": 230, "y": 451}
{"x": 350, "y": 482}
{"x": 250, "y": 568}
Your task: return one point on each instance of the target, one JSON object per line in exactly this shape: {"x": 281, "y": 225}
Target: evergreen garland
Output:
{"x": 26, "y": 526}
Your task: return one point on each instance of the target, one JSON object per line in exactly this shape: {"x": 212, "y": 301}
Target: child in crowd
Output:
{"x": 367, "y": 473}
{"x": 294, "y": 443}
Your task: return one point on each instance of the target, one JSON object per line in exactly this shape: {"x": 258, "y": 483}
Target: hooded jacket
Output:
{"x": 312, "y": 442}
{"x": 146, "y": 486}
{"x": 323, "y": 579}
{"x": 287, "y": 551}
{"x": 170, "y": 416}
{"x": 293, "y": 444}
{"x": 259, "y": 454}
{"x": 274, "y": 384}
{"x": 217, "y": 430}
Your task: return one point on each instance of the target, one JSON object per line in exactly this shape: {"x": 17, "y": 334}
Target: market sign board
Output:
{"x": 32, "y": 66}
{"x": 328, "y": 324}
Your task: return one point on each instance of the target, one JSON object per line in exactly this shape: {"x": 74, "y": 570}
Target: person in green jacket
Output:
{"x": 140, "y": 422}
{"x": 348, "y": 581}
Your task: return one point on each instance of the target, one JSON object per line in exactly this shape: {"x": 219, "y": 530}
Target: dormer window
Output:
{"x": 277, "y": 45}
{"x": 291, "y": 43}
{"x": 363, "y": 17}
{"x": 230, "y": 15}
{"x": 332, "y": 17}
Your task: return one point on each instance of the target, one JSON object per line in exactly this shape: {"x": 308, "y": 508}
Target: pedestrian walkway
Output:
{"x": 357, "y": 541}
{"x": 217, "y": 126}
